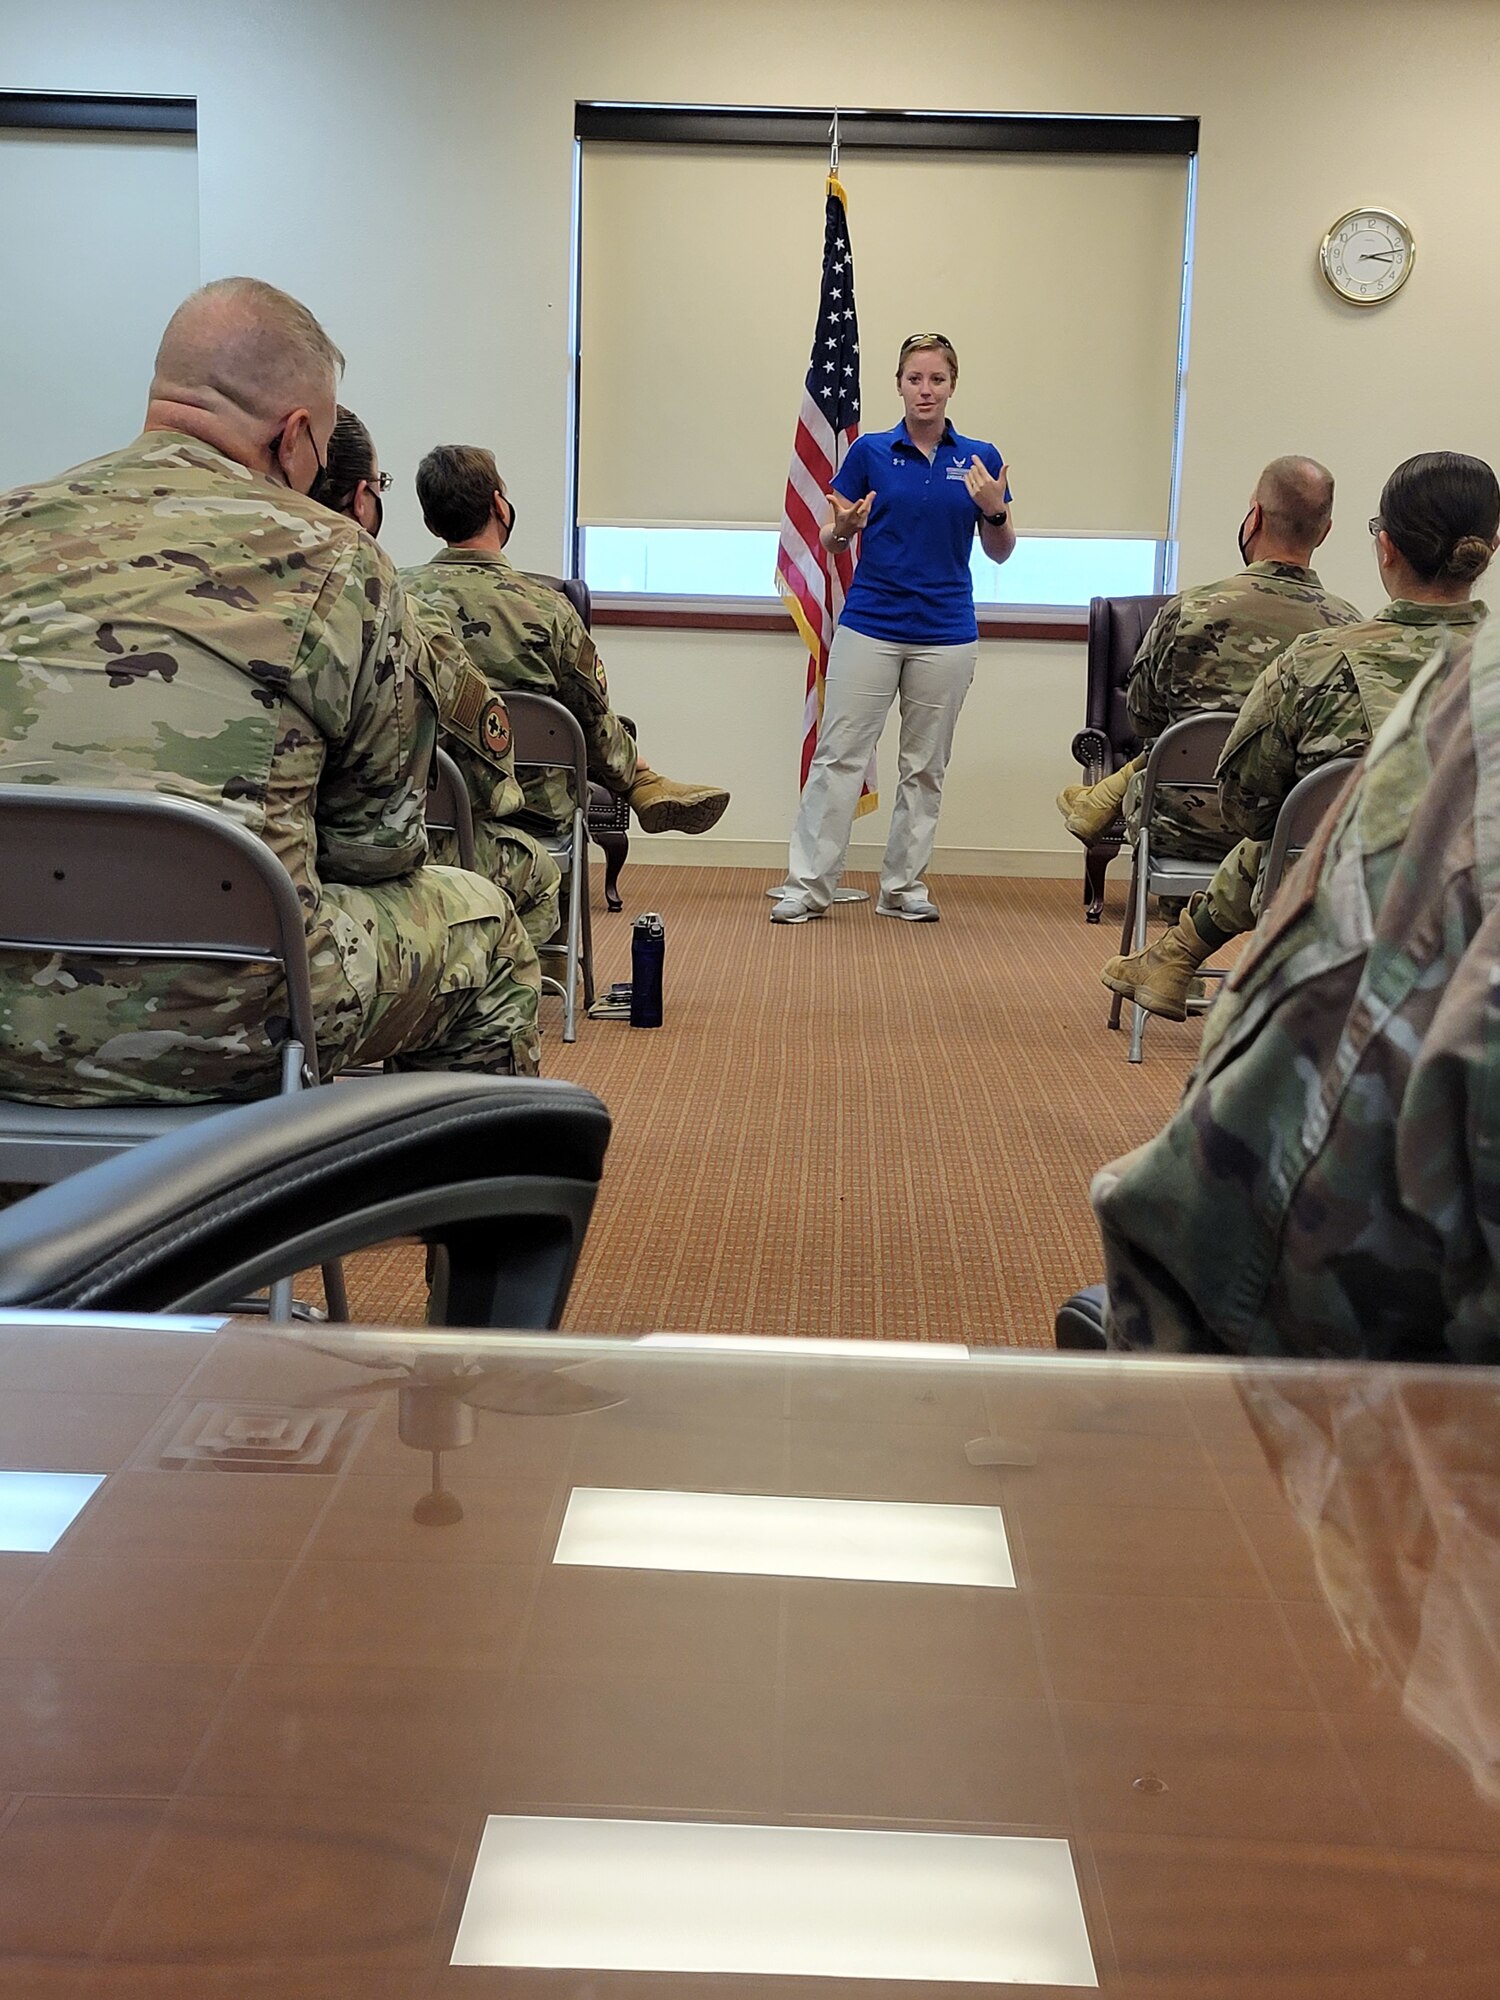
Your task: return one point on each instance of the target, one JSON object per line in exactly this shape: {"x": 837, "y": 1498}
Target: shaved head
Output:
{"x": 239, "y": 348}
{"x": 1296, "y": 497}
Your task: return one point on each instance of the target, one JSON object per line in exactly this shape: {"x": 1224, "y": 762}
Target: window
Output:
{"x": 1059, "y": 277}
{"x": 1053, "y": 570}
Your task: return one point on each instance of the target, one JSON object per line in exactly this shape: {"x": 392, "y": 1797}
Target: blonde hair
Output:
{"x": 925, "y": 343}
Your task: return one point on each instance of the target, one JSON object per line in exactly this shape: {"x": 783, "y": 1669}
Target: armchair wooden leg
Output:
{"x": 1096, "y": 861}
{"x": 616, "y": 848}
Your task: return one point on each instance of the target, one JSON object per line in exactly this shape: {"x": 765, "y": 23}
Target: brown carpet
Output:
{"x": 856, "y": 1127}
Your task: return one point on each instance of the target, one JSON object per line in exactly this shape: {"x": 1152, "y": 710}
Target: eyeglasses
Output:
{"x": 1376, "y": 524}
{"x": 925, "y": 340}
{"x": 380, "y": 482}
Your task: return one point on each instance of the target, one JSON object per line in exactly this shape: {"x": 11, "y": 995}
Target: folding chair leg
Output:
{"x": 335, "y": 1293}
{"x": 1144, "y": 897}
{"x": 1137, "y": 1033}
{"x": 279, "y": 1311}
{"x": 587, "y": 933}
{"x": 1127, "y": 928}
{"x": 1138, "y": 1025}
{"x": 575, "y": 934}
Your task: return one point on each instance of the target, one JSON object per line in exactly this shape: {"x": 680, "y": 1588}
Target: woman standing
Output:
{"x": 915, "y": 495}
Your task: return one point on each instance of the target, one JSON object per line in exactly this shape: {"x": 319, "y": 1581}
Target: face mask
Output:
{"x": 1244, "y": 540}
{"x": 379, "y": 514}
{"x": 510, "y": 509}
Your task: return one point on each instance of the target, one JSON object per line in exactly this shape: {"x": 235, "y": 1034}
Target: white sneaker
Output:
{"x": 916, "y": 907}
{"x": 792, "y": 910}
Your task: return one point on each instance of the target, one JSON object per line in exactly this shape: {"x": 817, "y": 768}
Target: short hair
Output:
{"x": 1441, "y": 509}
{"x": 455, "y": 486}
{"x": 351, "y": 458}
{"x": 248, "y": 344}
{"x": 922, "y": 343}
{"x": 1296, "y": 496}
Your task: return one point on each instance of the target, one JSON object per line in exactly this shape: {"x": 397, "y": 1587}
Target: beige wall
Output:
{"x": 409, "y": 171}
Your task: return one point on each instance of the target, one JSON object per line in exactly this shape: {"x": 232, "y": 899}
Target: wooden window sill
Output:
{"x": 752, "y": 614}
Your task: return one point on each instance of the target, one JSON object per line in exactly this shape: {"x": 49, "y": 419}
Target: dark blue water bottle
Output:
{"x": 648, "y": 947}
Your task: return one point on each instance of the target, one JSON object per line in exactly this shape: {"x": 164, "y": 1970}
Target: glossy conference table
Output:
{"x": 473, "y": 1665}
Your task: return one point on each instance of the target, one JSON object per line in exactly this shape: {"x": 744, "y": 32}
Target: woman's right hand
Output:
{"x": 849, "y": 516}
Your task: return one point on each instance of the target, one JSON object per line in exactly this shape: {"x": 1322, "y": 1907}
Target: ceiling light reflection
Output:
{"x": 749, "y": 1534}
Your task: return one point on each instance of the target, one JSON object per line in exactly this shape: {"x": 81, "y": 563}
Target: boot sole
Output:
{"x": 1083, "y": 830}
{"x": 1148, "y": 1000}
{"x": 684, "y": 816}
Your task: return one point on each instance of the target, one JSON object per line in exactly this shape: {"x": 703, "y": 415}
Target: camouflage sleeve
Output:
{"x": 475, "y": 725}
{"x": 1258, "y": 766}
{"x": 1447, "y": 1168}
{"x": 360, "y": 668}
{"x": 1146, "y": 693}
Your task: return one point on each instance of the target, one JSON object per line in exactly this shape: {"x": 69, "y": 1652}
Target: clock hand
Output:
{"x": 1379, "y": 256}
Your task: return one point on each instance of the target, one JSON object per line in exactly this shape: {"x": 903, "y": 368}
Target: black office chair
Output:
{"x": 1079, "y": 1328}
{"x": 497, "y": 1174}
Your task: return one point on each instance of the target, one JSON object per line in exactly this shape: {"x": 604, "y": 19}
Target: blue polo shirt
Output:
{"x": 912, "y": 583}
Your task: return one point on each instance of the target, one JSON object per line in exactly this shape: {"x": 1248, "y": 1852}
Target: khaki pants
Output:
{"x": 1232, "y": 900}
{"x": 864, "y": 677}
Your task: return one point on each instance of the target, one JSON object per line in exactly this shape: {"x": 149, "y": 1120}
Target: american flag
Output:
{"x": 812, "y": 581}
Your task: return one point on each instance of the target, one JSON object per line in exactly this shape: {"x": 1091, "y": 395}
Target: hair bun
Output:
{"x": 1469, "y": 558}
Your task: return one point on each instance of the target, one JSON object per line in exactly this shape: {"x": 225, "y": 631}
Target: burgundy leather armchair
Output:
{"x": 1107, "y": 740}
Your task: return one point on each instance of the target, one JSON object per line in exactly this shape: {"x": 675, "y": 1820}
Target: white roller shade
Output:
{"x": 1058, "y": 280}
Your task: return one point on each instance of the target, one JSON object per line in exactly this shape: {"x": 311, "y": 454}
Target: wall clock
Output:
{"x": 1367, "y": 256}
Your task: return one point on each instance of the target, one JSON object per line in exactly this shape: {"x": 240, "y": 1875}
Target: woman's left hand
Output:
{"x": 987, "y": 493}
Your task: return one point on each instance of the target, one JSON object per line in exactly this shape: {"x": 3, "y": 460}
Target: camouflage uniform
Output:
{"x": 1204, "y": 651}
{"x": 476, "y": 734}
{"x": 1323, "y": 698}
{"x": 171, "y": 622}
{"x": 1330, "y": 1184}
{"x": 522, "y": 633}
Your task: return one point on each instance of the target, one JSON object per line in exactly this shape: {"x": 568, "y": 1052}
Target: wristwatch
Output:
{"x": 998, "y": 520}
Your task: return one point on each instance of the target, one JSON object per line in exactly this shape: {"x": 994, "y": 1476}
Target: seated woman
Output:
{"x": 475, "y": 732}
{"x": 1330, "y": 1184}
{"x": 1325, "y": 696}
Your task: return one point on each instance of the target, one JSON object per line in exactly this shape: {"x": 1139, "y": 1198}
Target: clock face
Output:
{"x": 1367, "y": 256}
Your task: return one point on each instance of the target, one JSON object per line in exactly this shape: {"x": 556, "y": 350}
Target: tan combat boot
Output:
{"x": 1090, "y": 810}
{"x": 663, "y": 806}
{"x": 1161, "y": 979}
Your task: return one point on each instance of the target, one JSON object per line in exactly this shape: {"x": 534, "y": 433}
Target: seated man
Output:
{"x": 524, "y": 634}
{"x": 1330, "y": 1184}
{"x": 476, "y": 729}
{"x": 1325, "y": 697}
{"x": 181, "y": 617}
{"x": 1205, "y": 649}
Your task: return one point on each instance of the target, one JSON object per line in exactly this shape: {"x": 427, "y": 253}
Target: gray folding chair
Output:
{"x": 112, "y": 875}
{"x": 448, "y": 808}
{"x": 547, "y": 737}
{"x": 1185, "y": 754}
{"x": 1302, "y": 813}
